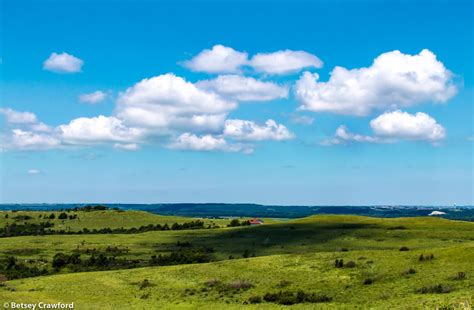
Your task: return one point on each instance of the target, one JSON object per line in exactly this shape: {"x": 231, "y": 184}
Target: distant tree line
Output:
{"x": 12, "y": 268}
{"x": 236, "y": 223}
{"x": 90, "y": 208}
{"x": 45, "y": 228}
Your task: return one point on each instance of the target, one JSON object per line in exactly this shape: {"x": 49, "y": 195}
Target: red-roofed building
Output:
{"x": 255, "y": 221}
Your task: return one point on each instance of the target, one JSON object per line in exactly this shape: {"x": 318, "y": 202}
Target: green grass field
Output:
{"x": 285, "y": 256}
{"x": 99, "y": 219}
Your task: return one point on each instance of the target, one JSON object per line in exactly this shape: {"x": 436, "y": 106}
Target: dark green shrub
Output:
{"x": 144, "y": 284}
{"x": 283, "y": 283}
{"x": 409, "y": 271}
{"x": 239, "y": 285}
{"x": 460, "y": 276}
{"x": 350, "y": 264}
{"x": 287, "y": 298}
{"x": 60, "y": 260}
{"x": 291, "y": 298}
{"x": 318, "y": 298}
{"x": 435, "y": 289}
{"x": 212, "y": 282}
{"x": 255, "y": 299}
{"x": 234, "y": 223}
{"x": 270, "y": 297}
{"x": 22, "y": 218}
{"x": 368, "y": 281}
{"x": 397, "y": 228}
{"x": 426, "y": 258}
{"x": 404, "y": 248}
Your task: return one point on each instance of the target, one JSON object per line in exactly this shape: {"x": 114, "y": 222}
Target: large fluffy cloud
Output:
{"x": 219, "y": 59}
{"x": 30, "y": 140}
{"x": 223, "y": 59}
{"x": 81, "y": 131}
{"x": 24, "y": 120}
{"x": 169, "y": 102}
{"x": 152, "y": 111}
{"x": 250, "y": 131}
{"x": 100, "y": 129}
{"x": 283, "y": 62}
{"x": 63, "y": 63}
{"x": 188, "y": 141}
{"x": 236, "y": 87}
{"x": 402, "y": 125}
{"x": 392, "y": 127}
{"x": 393, "y": 80}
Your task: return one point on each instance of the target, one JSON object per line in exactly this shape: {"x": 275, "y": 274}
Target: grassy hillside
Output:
{"x": 313, "y": 234}
{"x": 290, "y": 256}
{"x": 96, "y": 219}
{"x": 188, "y": 286}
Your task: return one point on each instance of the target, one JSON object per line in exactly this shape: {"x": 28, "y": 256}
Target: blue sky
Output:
{"x": 237, "y": 101}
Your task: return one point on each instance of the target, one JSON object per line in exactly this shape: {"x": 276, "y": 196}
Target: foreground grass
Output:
{"x": 291, "y": 256}
{"x": 185, "y": 286}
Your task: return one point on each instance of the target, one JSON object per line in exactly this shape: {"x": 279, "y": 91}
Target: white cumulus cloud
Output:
{"x": 100, "y": 129}
{"x": 236, "y": 87}
{"x": 33, "y": 171}
{"x": 393, "y": 80}
{"x": 219, "y": 59}
{"x": 392, "y": 127}
{"x": 343, "y": 136}
{"x": 127, "y": 146}
{"x": 188, "y": 141}
{"x": 250, "y": 131}
{"x": 93, "y": 98}
{"x": 24, "y": 119}
{"x": 63, "y": 63}
{"x": 169, "y": 102}
{"x": 405, "y": 126}
{"x": 29, "y": 140}
{"x": 284, "y": 62}
{"x": 18, "y": 117}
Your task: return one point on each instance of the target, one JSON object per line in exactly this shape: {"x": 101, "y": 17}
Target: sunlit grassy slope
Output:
{"x": 314, "y": 234}
{"x": 183, "y": 285}
{"x": 98, "y": 219}
{"x": 300, "y": 253}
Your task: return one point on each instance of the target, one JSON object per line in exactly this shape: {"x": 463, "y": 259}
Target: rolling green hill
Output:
{"x": 97, "y": 219}
{"x": 272, "y": 265}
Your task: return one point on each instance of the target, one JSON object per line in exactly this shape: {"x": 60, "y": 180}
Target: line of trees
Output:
{"x": 45, "y": 228}
{"x": 12, "y": 268}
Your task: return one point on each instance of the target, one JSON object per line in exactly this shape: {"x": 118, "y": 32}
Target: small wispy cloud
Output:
{"x": 93, "y": 98}
{"x": 301, "y": 119}
{"x": 33, "y": 171}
